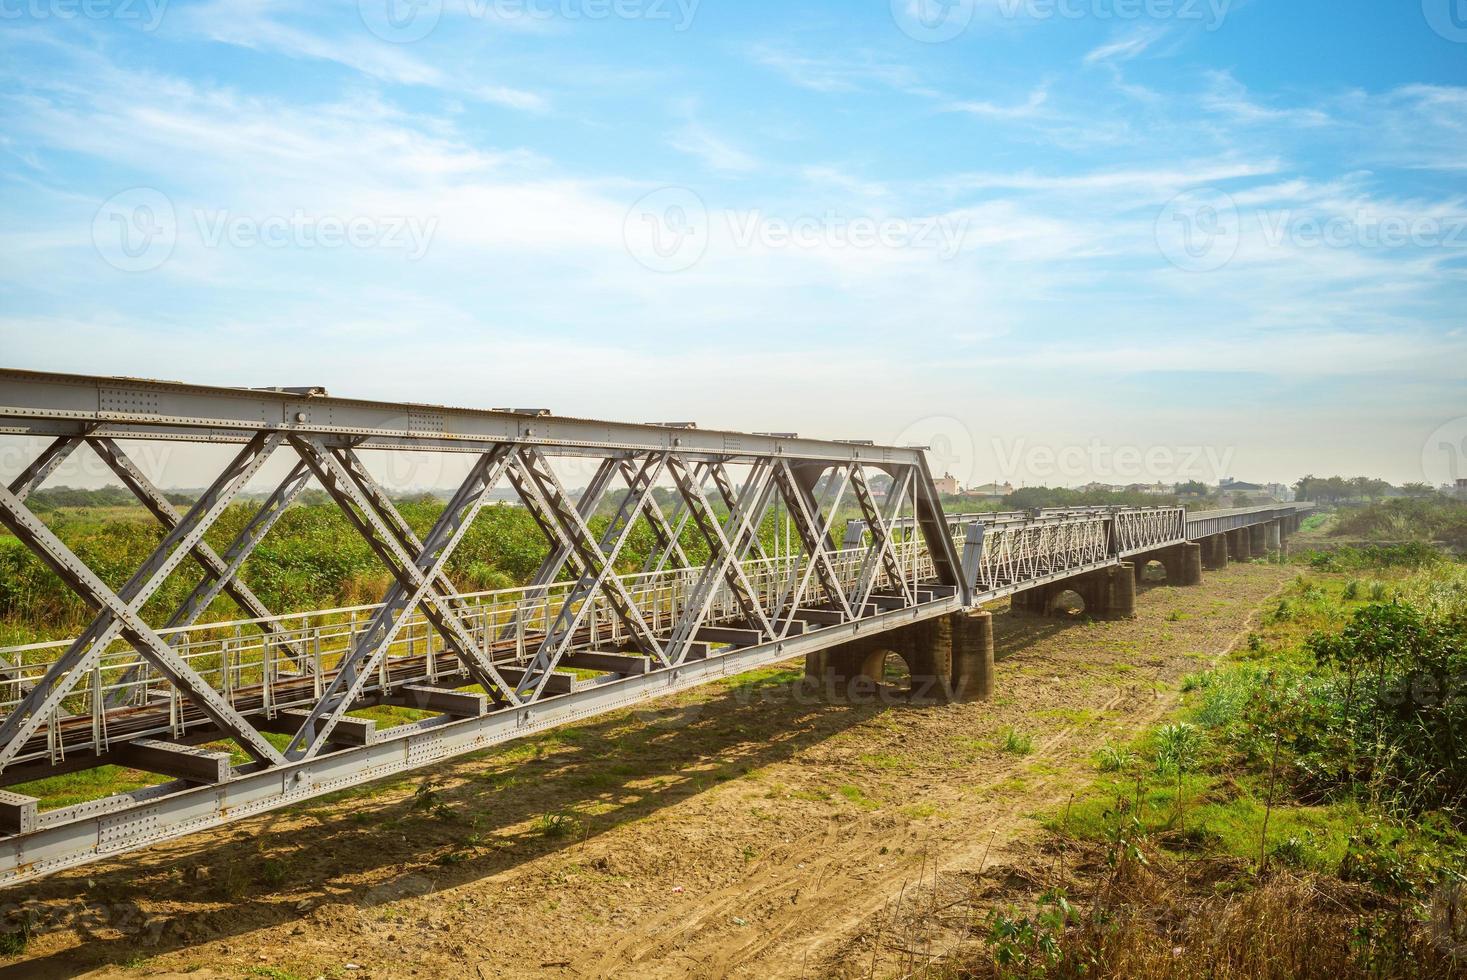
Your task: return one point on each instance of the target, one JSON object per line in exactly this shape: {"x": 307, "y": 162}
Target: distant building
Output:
{"x": 1283, "y": 493}
{"x": 1460, "y": 490}
{"x": 947, "y": 486}
{"x": 1240, "y": 490}
{"x": 1155, "y": 489}
{"x": 989, "y": 491}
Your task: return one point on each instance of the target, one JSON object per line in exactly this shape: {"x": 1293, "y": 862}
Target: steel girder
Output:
{"x": 48, "y": 405}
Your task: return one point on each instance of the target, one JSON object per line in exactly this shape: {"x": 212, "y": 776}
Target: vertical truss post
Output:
{"x": 933, "y": 524}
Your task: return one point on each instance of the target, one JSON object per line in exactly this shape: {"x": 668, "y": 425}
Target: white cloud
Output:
{"x": 263, "y": 25}
{"x": 1031, "y": 107}
{"x": 1228, "y": 97}
{"x": 1125, "y": 47}
{"x": 716, "y": 153}
{"x": 851, "y": 74}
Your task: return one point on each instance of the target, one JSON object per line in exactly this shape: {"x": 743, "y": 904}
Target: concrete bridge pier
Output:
{"x": 1273, "y": 536}
{"x": 949, "y": 658}
{"x": 1257, "y": 540}
{"x": 1183, "y": 563}
{"x": 1215, "y": 552}
{"x": 1107, "y": 593}
{"x": 1239, "y": 544}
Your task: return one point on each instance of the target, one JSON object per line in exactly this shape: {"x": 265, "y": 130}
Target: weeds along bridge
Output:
{"x": 163, "y": 690}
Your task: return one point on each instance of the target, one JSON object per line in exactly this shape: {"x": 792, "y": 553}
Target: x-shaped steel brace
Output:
{"x": 118, "y": 612}
{"x": 30, "y": 480}
{"x": 416, "y": 581}
{"x": 668, "y": 543}
{"x": 345, "y": 485}
{"x": 725, "y": 553}
{"x": 814, "y": 532}
{"x": 882, "y": 553}
{"x": 406, "y": 538}
{"x": 731, "y": 497}
{"x": 544, "y": 496}
{"x": 597, "y": 572}
{"x": 560, "y": 553}
{"x": 219, "y": 574}
{"x": 657, "y": 560}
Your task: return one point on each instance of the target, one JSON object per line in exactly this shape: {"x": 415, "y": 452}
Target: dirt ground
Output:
{"x": 740, "y": 830}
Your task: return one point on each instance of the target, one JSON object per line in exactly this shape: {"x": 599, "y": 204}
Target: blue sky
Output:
{"x": 1232, "y": 236}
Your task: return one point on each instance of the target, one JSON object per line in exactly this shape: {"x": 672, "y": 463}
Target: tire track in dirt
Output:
{"x": 670, "y": 945}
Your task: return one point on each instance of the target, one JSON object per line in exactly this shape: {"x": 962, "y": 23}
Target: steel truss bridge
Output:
{"x": 587, "y": 635}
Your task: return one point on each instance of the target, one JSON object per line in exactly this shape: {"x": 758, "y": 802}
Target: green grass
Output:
{"x": 859, "y": 798}
{"x": 1016, "y": 742}
{"x": 1188, "y": 784}
{"x": 71, "y": 788}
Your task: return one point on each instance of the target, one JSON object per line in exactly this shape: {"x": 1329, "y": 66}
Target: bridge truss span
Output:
{"x": 672, "y": 556}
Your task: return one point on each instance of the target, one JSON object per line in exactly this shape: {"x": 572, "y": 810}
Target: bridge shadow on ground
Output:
{"x": 1015, "y": 630}
{"x": 467, "y": 819}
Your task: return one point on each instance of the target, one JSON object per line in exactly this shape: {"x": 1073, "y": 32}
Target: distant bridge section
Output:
{"x": 239, "y": 710}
